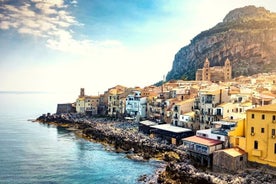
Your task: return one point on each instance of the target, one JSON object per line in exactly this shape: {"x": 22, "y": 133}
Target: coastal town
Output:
{"x": 220, "y": 122}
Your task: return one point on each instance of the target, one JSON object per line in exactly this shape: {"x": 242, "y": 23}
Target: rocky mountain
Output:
{"x": 247, "y": 36}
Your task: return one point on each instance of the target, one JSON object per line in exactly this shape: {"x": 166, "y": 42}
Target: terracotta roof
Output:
{"x": 203, "y": 141}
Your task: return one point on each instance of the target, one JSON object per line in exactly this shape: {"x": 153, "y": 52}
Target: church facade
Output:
{"x": 215, "y": 73}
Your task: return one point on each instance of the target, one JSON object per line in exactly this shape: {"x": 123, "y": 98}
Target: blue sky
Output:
{"x": 62, "y": 45}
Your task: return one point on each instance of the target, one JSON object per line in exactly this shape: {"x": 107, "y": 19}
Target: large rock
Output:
{"x": 247, "y": 36}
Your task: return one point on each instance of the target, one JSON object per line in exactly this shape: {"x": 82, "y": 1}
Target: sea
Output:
{"x": 32, "y": 152}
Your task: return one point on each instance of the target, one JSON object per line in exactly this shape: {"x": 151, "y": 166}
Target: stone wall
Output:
{"x": 65, "y": 108}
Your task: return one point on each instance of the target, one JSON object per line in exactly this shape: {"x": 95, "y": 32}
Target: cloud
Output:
{"x": 49, "y": 20}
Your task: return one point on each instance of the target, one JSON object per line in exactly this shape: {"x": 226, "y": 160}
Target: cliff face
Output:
{"x": 247, "y": 36}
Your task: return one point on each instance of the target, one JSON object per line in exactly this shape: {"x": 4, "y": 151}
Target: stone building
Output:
{"x": 215, "y": 73}
{"x": 231, "y": 159}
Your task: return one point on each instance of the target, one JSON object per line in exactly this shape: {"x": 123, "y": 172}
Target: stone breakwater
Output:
{"x": 176, "y": 168}
{"x": 123, "y": 136}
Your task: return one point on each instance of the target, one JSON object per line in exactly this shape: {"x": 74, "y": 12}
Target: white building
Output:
{"x": 135, "y": 105}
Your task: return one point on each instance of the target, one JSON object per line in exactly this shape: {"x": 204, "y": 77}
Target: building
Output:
{"x": 223, "y": 134}
{"x": 187, "y": 120}
{"x": 114, "y": 104}
{"x": 263, "y": 99}
{"x": 65, "y": 108}
{"x": 231, "y": 110}
{"x": 206, "y": 103}
{"x": 155, "y": 108}
{"x": 201, "y": 148}
{"x": 102, "y": 108}
{"x": 215, "y": 73}
{"x": 179, "y": 109}
{"x": 146, "y": 126}
{"x": 227, "y": 131}
{"x": 172, "y": 134}
{"x": 87, "y": 105}
{"x": 135, "y": 105}
{"x": 261, "y": 134}
{"x": 231, "y": 159}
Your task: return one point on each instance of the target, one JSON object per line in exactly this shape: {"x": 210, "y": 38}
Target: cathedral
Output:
{"x": 215, "y": 73}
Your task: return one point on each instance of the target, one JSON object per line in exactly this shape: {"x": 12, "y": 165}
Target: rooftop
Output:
{"x": 203, "y": 141}
{"x": 148, "y": 123}
{"x": 223, "y": 123}
{"x": 171, "y": 128}
{"x": 192, "y": 113}
{"x": 185, "y": 101}
{"x": 269, "y": 108}
{"x": 225, "y": 104}
{"x": 234, "y": 152}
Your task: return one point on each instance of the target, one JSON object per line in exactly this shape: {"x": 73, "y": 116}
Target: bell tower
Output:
{"x": 206, "y": 74}
{"x": 227, "y": 70}
{"x": 82, "y": 92}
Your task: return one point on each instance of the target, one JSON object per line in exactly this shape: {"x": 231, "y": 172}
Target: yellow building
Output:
{"x": 87, "y": 104}
{"x": 112, "y": 98}
{"x": 261, "y": 134}
{"x": 237, "y": 132}
{"x": 80, "y": 105}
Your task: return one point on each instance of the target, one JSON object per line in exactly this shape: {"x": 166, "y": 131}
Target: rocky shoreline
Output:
{"x": 124, "y": 137}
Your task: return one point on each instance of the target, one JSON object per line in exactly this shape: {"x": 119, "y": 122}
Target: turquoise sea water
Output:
{"x": 36, "y": 153}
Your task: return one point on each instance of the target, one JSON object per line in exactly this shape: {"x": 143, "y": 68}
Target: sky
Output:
{"x": 63, "y": 45}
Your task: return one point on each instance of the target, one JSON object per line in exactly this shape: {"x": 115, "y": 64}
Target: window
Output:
{"x": 252, "y": 129}
{"x": 218, "y": 137}
{"x": 273, "y": 132}
{"x": 241, "y": 158}
{"x": 255, "y": 144}
{"x": 263, "y": 116}
{"x": 275, "y": 148}
{"x": 252, "y": 116}
{"x": 262, "y": 130}
{"x": 273, "y": 117}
